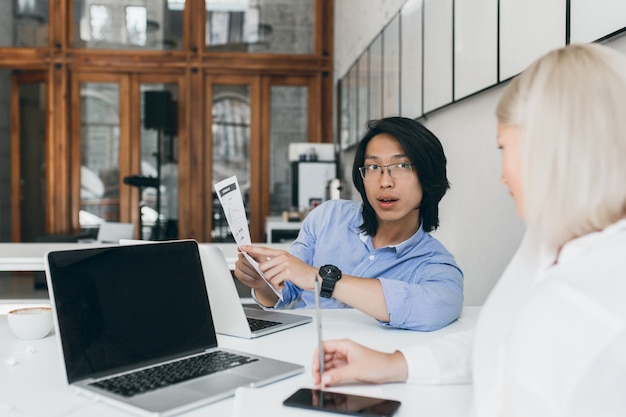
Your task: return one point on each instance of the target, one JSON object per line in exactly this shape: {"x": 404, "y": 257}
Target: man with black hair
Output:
{"x": 376, "y": 255}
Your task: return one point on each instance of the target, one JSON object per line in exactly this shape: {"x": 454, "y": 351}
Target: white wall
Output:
{"x": 478, "y": 220}
{"x": 479, "y": 224}
{"x": 357, "y": 22}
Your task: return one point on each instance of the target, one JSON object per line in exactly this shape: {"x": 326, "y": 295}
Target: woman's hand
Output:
{"x": 346, "y": 361}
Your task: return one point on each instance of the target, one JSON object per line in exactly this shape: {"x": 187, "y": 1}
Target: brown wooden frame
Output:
{"x": 253, "y": 82}
{"x": 191, "y": 67}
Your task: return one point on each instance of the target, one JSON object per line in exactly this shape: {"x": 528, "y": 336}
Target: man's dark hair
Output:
{"x": 424, "y": 150}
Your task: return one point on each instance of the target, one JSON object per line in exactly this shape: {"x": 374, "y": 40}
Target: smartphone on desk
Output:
{"x": 336, "y": 402}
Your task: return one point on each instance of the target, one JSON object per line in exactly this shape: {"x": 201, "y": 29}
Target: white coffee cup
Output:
{"x": 30, "y": 323}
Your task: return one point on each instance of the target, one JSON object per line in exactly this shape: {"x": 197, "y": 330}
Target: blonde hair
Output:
{"x": 570, "y": 109}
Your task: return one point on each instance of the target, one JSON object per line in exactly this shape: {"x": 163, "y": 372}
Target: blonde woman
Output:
{"x": 551, "y": 337}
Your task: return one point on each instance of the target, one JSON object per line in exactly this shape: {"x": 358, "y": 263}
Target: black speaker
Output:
{"x": 157, "y": 109}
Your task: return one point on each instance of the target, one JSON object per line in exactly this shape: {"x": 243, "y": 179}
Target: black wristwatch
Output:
{"x": 330, "y": 275}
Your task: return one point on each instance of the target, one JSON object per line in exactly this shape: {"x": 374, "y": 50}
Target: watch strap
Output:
{"x": 327, "y": 289}
{"x": 330, "y": 274}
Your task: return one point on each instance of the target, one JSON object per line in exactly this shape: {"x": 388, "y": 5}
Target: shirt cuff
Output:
{"x": 422, "y": 365}
{"x": 253, "y": 294}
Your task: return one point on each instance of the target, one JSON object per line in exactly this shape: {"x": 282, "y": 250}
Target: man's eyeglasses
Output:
{"x": 396, "y": 171}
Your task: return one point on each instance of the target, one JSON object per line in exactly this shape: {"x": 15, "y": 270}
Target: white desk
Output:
{"x": 36, "y": 385}
{"x": 29, "y": 256}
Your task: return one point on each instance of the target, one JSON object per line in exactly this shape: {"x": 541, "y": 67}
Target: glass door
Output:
{"x": 158, "y": 169}
{"x": 101, "y": 149}
{"x": 99, "y": 153}
{"x": 126, "y": 148}
{"x": 233, "y": 147}
{"x": 240, "y": 142}
{"x": 288, "y": 123}
{"x": 292, "y": 119}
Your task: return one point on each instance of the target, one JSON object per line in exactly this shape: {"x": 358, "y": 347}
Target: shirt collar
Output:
{"x": 402, "y": 247}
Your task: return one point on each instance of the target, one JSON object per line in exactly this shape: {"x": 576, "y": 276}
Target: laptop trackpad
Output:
{"x": 219, "y": 382}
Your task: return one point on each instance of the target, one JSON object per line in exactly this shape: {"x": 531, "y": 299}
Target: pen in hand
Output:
{"x": 318, "y": 320}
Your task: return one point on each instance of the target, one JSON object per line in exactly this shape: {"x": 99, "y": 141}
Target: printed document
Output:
{"x": 229, "y": 194}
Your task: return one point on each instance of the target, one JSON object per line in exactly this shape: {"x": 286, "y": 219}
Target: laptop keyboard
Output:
{"x": 259, "y": 324}
{"x": 150, "y": 379}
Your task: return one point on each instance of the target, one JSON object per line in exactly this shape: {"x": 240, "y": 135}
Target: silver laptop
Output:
{"x": 112, "y": 232}
{"x": 134, "y": 325}
{"x": 230, "y": 317}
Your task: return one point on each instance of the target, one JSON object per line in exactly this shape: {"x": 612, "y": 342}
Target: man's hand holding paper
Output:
{"x": 229, "y": 195}
{"x": 279, "y": 266}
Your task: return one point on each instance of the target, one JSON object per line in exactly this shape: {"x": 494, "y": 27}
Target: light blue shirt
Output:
{"x": 421, "y": 282}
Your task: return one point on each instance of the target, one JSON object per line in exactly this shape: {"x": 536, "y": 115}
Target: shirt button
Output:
{"x": 371, "y": 257}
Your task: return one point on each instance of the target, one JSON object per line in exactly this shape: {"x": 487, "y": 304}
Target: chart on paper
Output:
{"x": 229, "y": 195}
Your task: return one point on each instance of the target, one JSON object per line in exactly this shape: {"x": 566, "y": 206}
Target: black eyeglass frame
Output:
{"x": 363, "y": 170}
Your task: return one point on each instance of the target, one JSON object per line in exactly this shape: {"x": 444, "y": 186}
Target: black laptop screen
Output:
{"x": 122, "y": 306}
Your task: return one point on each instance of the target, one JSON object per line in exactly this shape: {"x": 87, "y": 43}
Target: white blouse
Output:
{"x": 550, "y": 339}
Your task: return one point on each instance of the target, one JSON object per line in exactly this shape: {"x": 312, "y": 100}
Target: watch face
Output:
{"x": 330, "y": 272}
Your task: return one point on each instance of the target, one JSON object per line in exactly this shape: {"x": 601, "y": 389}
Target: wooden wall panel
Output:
{"x": 438, "y": 54}
{"x": 475, "y": 46}
{"x": 66, "y": 66}
{"x": 520, "y": 41}
{"x": 594, "y": 19}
